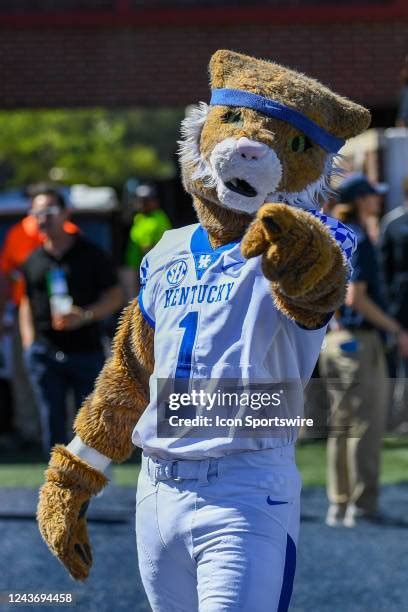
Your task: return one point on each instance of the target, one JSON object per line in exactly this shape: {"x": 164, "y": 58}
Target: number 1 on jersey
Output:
{"x": 189, "y": 324}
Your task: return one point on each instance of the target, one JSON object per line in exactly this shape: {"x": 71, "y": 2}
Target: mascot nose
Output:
{"x": 250, "y": 149}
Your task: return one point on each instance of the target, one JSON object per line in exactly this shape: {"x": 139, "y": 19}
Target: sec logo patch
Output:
{"x": 177, "y": 272}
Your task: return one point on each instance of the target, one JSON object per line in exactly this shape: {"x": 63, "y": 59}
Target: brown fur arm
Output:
{"x": 306, "y": 267}
{"x": 105, "y": 423}
{"x": 108, "y": 416}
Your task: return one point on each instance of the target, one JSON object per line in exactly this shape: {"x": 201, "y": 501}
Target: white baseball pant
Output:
{"x": 219, "y": 535}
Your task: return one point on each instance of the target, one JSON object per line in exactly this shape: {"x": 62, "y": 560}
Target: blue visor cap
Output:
{"x": 277, "y": 110}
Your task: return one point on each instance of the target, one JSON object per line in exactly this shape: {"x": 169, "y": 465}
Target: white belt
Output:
{"x": 180, "y": 469}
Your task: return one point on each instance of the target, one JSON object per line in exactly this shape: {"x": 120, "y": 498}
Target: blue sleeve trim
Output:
{"x": 146, "y": 316}
{"x": 345, "y": 235}
{"x": 329, "y": 316}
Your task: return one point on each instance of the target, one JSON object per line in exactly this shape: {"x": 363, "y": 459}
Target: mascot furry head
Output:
{"x": 269, "y": 134}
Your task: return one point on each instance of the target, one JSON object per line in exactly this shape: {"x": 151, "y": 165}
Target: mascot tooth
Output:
{"x": 246, "y": 294}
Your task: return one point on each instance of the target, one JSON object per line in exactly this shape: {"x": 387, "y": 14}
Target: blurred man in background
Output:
{"x": 20, "y": 241}
{"x": 353, "y": 355}
{"x": 70, "y": 287}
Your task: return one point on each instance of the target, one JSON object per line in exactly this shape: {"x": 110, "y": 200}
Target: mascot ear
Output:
{"x": 224, "y": 63}
{"x": 349, "y": 119}
{"x": 338, "y": 115}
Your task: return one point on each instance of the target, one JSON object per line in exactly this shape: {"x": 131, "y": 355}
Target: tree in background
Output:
{"x": 92, "y": 146}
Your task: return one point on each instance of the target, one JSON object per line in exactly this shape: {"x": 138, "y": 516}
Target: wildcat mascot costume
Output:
{"x": 244, "y": 294}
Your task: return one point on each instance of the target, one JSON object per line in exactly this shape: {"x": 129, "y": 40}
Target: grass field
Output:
{"x": 311, "y": 457}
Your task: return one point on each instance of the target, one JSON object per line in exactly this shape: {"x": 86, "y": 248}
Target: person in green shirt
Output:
{"x": 149, "y": 224}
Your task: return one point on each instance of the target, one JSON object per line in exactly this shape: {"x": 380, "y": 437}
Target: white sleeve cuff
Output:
{"x": 88, "y": 454}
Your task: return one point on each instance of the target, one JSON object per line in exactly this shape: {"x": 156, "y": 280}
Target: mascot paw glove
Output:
{"x": 70, "y": 482}
{"x": 297, "y": 250}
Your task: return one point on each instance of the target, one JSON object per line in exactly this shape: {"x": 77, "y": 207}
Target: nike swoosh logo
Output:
{"x": 232, "y": 269}
{"x": 231, "y": 265}
{"x": 272, "y": 502}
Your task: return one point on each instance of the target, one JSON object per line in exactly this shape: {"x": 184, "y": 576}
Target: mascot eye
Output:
{"x": 234, "y": 117}
{"x": 299, "y": 144}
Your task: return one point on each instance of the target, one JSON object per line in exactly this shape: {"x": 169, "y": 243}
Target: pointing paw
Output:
{"x": 297, "y": 250}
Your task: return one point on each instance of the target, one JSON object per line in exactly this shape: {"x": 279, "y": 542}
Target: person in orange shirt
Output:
{"x": 20, "y": 241}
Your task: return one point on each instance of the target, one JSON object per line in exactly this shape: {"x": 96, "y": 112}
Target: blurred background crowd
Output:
{"x": 81, "y": 204}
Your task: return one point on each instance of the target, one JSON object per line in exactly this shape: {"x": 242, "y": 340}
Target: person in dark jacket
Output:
{"x": 70, "y": 286}
{"x": 394, "y": 258}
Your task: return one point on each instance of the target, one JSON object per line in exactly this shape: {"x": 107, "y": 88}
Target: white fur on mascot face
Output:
{"x": 246, "y": 171}
{"x": 239, "y": 173}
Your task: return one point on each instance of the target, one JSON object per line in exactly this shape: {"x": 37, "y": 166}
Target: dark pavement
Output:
{"x": 339, "y": 569}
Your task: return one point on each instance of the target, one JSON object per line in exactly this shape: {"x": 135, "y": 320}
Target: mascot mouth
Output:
{"x": 242, "y": 187}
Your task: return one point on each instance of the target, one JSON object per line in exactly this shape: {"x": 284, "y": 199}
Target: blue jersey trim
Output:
{"x": 200, "y": 243}
{"x": 147, "y": 318}
{"x": 201, "y": 248}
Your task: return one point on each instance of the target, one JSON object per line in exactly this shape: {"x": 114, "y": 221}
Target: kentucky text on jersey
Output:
{"x": 197, "y": 294}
